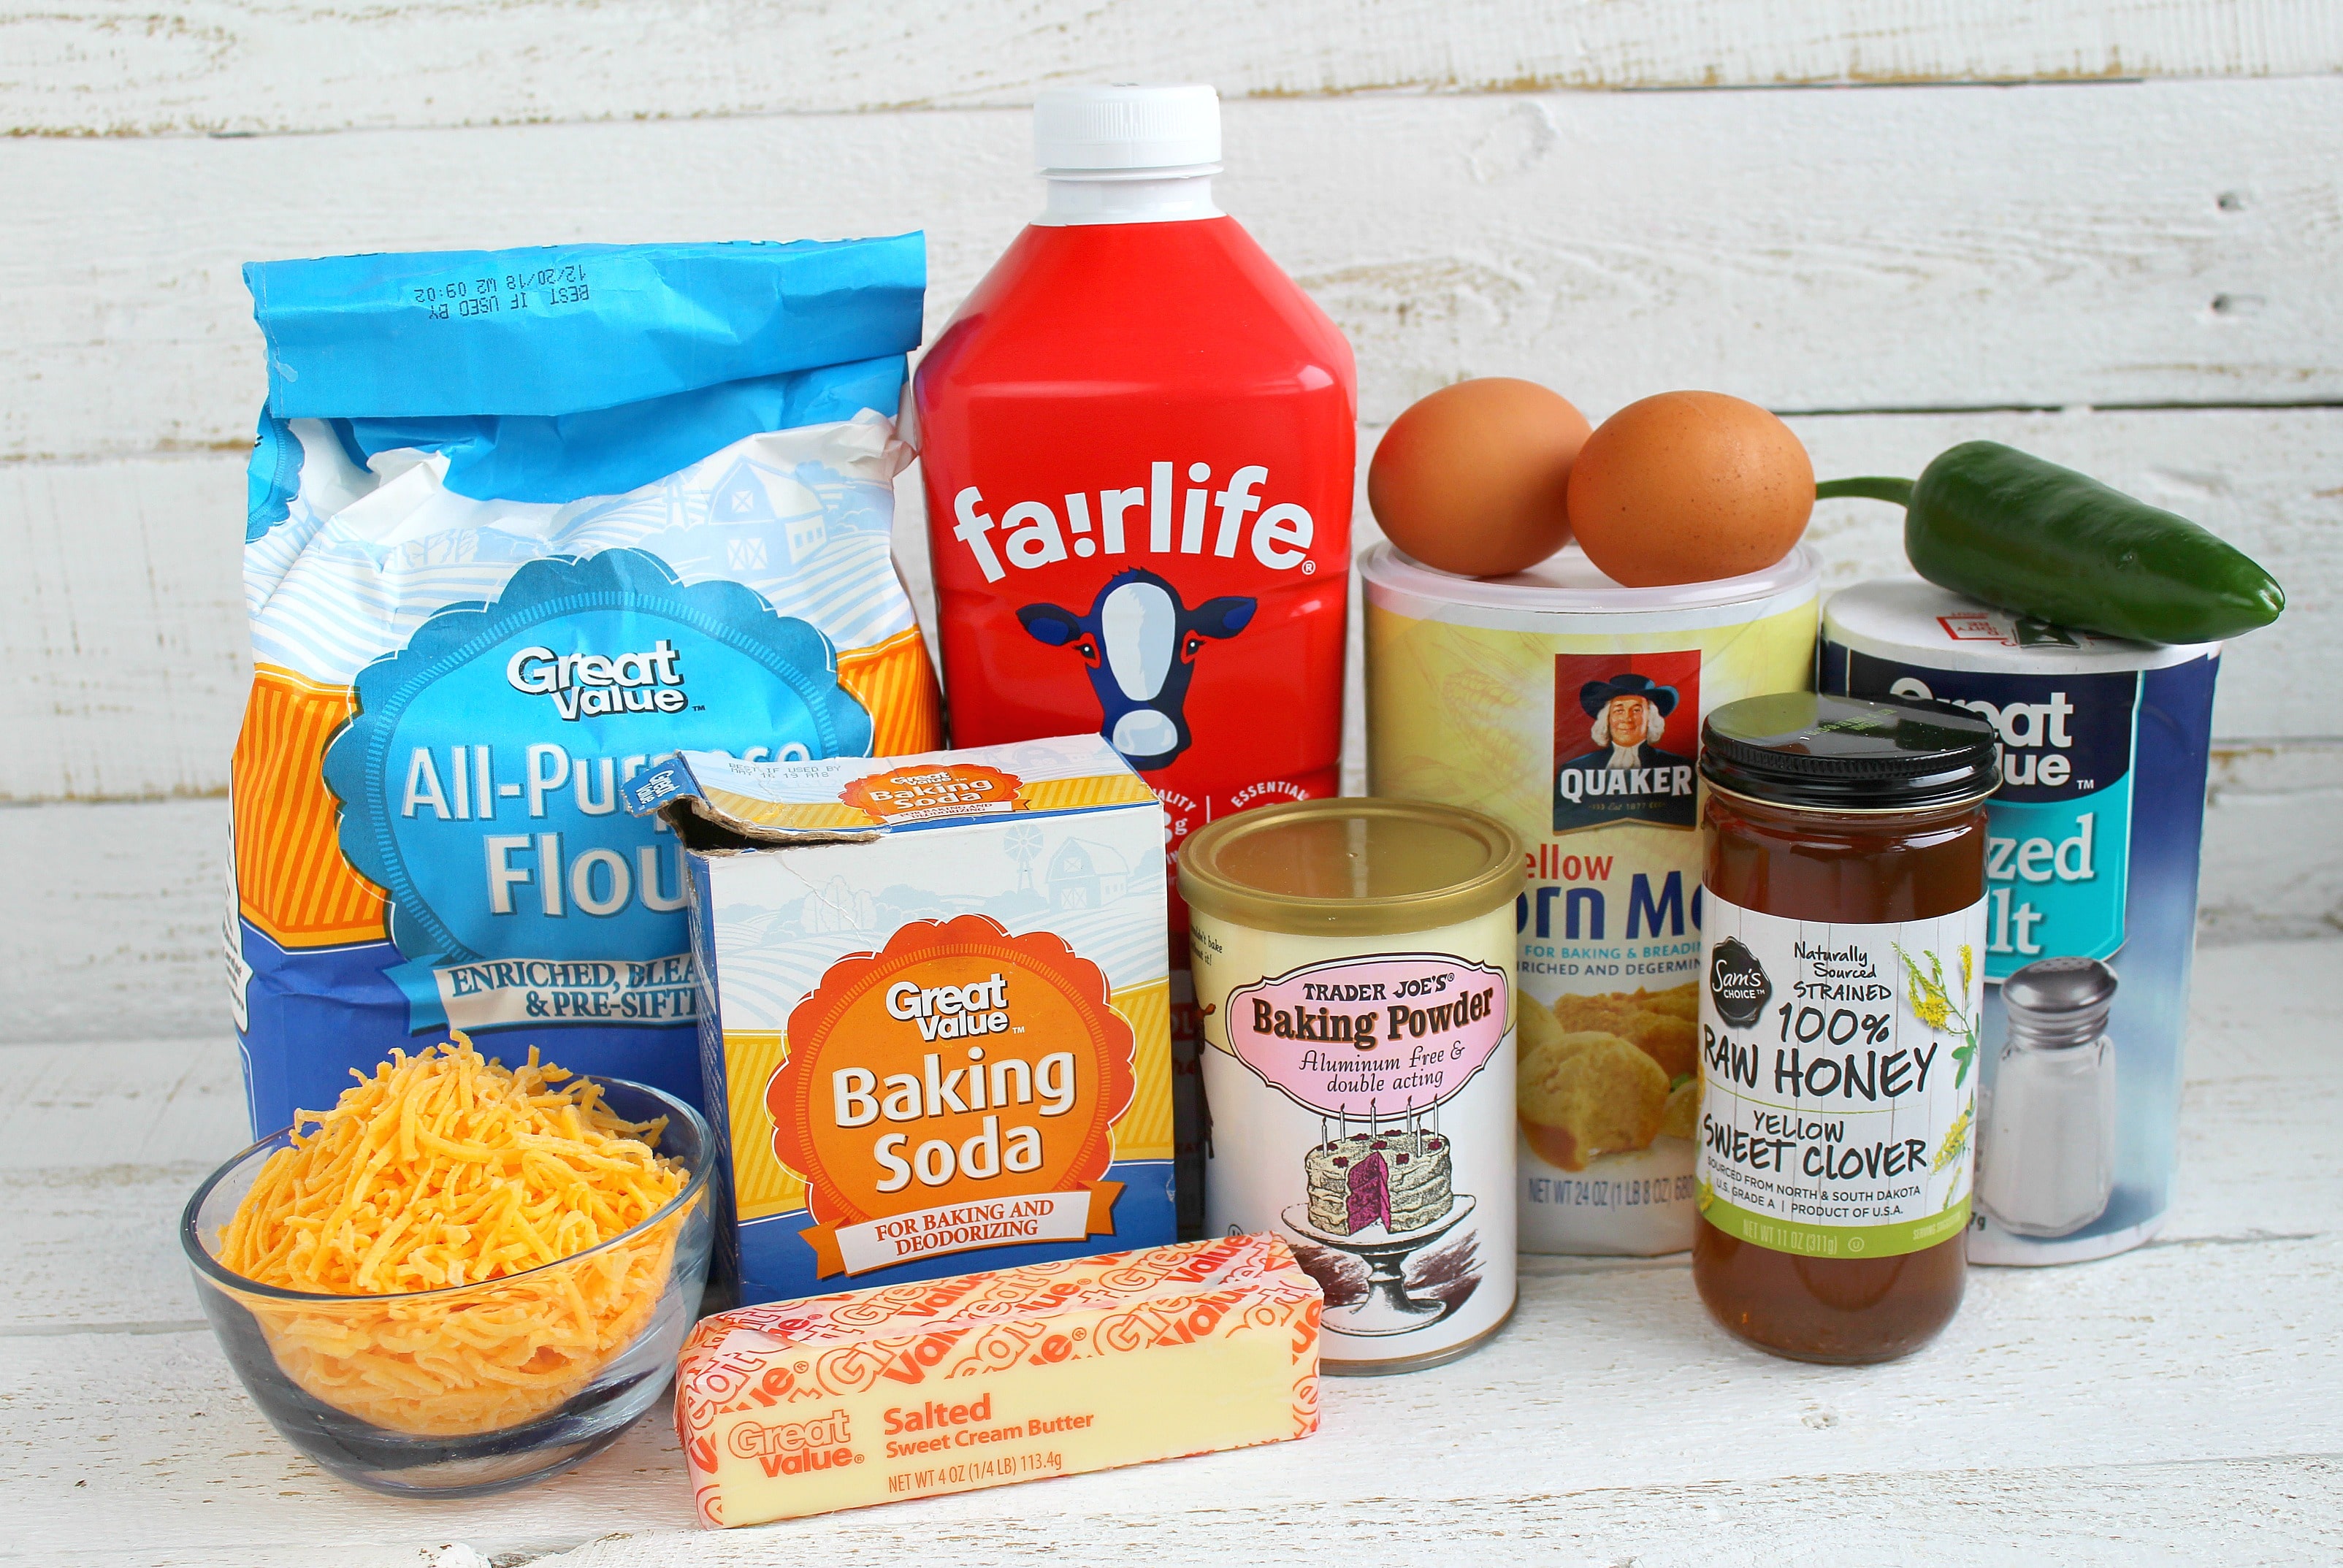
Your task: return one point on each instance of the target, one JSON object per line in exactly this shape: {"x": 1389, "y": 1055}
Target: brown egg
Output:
{"x": 1473, "y": 479}
{"x": 1689, "y": 486}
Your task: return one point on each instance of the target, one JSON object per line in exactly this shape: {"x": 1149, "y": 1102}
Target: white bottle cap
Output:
{"x": 1127, "y": 131}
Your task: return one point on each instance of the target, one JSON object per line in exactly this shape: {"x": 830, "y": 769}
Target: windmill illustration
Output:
{"x": 1024, "y": 845}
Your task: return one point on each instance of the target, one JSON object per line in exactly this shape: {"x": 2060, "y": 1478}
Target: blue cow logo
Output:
{"x": 1140, "y": 644}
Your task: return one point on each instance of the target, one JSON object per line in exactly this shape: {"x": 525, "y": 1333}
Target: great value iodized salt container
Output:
{"x": 933, "y": 1008}
{"x": 1569, "y": 708}
{"x": 2091, "y": 863}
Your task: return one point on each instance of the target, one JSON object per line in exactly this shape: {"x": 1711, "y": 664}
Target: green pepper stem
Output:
{"x": 1898, "y": 491}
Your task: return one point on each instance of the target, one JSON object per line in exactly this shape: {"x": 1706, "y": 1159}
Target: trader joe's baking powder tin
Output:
{"x": 1353, "y": 963}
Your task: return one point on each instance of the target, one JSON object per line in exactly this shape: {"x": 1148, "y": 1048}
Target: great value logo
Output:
{"x": 2061, "y": 735}
{"x": 2058, "y": 836}
{"x": 795, "y": 1447}
{"x": 956, "y": 1089}
{"x": 920, "y": 794}
{"x": 583, "y": 685}
{"x": 481, "y": 781}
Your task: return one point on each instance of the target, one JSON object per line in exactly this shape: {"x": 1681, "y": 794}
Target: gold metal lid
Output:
{"x": 1342, "y": 868}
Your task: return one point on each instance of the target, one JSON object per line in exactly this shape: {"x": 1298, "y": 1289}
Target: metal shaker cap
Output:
{"x": 2061, "y": 1002}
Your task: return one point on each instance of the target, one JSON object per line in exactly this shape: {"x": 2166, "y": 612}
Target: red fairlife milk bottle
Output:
{"x": 1136, "y": 439}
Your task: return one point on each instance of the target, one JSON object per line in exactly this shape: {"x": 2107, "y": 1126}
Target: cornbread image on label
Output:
{"x": 1569, "y": 708}
{"x": 934, "y": 1008}
{"x": 1050, "y": 1369}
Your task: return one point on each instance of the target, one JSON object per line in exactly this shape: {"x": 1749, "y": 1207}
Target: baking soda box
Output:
{"x": 934, "y": 1008}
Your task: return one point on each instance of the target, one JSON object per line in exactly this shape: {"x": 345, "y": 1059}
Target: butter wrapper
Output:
{"x": 923, "y": 1388}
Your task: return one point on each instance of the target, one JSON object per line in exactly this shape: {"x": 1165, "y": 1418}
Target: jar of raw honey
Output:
{"x": 1841, "y": 983}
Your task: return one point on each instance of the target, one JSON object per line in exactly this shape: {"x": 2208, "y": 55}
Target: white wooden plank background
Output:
{"x": 2176, "y": 1404}
{"x": 131, "y": 67}
{"x": 1875, "y": 249}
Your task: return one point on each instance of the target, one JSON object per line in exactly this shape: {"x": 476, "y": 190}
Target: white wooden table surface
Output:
{"x": 2182, "y": 1403}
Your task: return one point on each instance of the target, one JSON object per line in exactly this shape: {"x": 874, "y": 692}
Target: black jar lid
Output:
{"x": 1802, "y": 749}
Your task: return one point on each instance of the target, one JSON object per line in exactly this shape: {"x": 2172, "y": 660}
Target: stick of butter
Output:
{"x": 946, "y": 1385}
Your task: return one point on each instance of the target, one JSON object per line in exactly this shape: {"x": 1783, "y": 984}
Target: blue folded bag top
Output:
{"x": 561, "y": 371}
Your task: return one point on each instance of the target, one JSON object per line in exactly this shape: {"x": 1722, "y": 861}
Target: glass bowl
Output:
{"x": 469, "y": 1388}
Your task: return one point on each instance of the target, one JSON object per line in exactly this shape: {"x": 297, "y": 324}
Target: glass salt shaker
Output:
{"x": 2046, "y": 1152}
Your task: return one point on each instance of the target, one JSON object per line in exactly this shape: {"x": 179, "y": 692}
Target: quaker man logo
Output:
{"x": 1738, "y": 983}
{"x": 1619, "y": 771}
{"x": 956, "y": 1089}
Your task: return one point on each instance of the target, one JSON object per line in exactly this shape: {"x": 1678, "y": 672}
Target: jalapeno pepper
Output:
{"x": 2001, "y": 526}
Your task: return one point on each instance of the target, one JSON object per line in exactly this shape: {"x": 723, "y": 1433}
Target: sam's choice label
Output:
{"x": 1569, "y": 708}
{"x": 1839, "y": 1080}
{"x": 2091, "y": 848}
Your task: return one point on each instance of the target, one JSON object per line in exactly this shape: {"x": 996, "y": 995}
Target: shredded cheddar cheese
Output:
{"x": 447, "y": 1169}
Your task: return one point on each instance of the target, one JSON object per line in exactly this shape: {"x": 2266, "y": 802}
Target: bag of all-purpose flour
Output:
{"x": 521, "y": 523}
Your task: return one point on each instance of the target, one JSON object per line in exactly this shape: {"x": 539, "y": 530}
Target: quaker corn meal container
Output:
{"x": 933, "y": 1009}
{"x": 1355, "y": 984}
{"x": 2090, "y": 900}
{"x": 1570, "y": 709}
